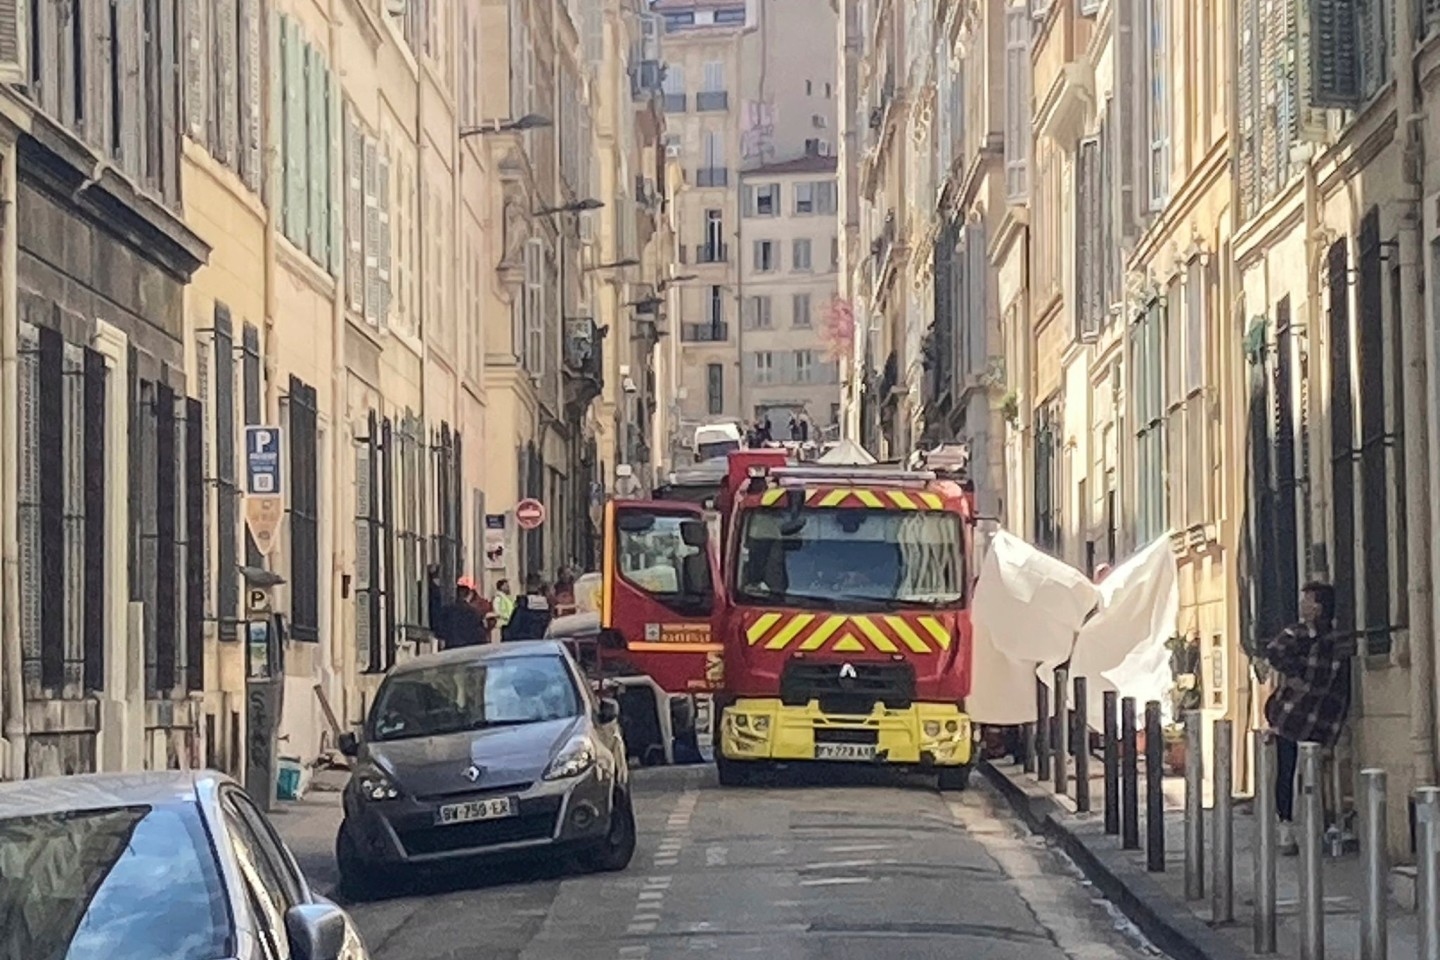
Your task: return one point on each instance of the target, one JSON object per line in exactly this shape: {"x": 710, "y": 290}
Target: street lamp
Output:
{"x": 668, "y": 282}
{"x": 617, "y": 265}
{"x": 579, "y": 206}
{"x": 531, "y": 121}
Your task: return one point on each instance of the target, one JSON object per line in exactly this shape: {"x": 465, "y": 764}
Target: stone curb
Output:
{"x": 1169, "y": 925}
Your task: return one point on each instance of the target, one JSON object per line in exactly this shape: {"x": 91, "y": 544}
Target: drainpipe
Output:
{"x": 333, "y": 659}
{"x": 1419, "y": 447}
{"x": 12, "y": 733}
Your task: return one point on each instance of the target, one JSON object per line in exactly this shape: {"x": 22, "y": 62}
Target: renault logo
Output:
{"x": 473, "y": 773}
{"x": 847, "y": 672}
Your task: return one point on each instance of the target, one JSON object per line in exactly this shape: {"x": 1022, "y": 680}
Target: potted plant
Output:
{"x": 1185, "y": 696}
{"x": 1010, "y": 408}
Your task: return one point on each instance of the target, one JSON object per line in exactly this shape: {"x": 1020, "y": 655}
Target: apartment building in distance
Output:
{"x": 737, "y": 99}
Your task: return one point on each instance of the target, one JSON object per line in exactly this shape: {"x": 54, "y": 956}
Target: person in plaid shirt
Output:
{"x": 1312, "y": 693}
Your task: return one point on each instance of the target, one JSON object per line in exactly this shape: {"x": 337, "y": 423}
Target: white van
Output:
{"x": 716, "y": 440}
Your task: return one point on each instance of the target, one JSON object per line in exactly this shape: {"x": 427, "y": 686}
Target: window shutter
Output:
{"x": 1247, "y": 74}
{"x": 372, "y": 232}
{"x": 227, "y": 69}
{"x": 253, "y": 152}
{"x": 1333, "y": 54}
{"x": 977, "y": 294}
{"x": 293, "y": 180}
{"x": 319, "y": 232}
{"x": 197, "y": 67}
{"x": 1129, "y": 147}
{"x": 354, "y": 211}
{"x": 14, "y": 42}
{"x": 383, "y": 272}
{"x": 1017, "y": 104}
{"x": 297, "y": 161}
{"x": 1089, "y": 269}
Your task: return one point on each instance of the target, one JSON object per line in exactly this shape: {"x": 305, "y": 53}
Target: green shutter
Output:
{"x": 333, "y": 236}
{"x": 296, "y": 155}
{"x": 318, "y": 233}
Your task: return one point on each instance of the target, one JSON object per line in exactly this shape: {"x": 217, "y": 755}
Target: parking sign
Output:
{"x": 262, "y": 462}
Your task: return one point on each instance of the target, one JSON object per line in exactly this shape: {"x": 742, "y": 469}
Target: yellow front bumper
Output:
{"x": 936, "y": 734}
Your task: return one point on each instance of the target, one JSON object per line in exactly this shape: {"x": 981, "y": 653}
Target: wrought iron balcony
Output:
{"x": 718, "y": 332}
{"x": 708, "y": 101}
{"x": 712, "y": 177}
{"x": 712, "y": 253}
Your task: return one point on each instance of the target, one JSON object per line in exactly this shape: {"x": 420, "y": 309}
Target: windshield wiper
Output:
{"x": 893, "y": 602}
{"x": 791, "y": 599}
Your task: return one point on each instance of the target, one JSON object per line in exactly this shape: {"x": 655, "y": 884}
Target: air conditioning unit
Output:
{"x": 672, "y": 150}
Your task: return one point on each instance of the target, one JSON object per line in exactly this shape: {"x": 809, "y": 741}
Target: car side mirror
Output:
{"x": 349, "y": 744}
{"x": 608, "y": 711}
{"x": 316, "y": 931}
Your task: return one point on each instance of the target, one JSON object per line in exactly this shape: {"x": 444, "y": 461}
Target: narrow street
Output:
{"x": 873, "y": 871}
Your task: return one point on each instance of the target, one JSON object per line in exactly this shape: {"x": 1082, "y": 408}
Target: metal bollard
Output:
{"x": 1080, "y": 734}
{"x": 1312, "y": 829}
{"x": 1129, "y": 777}
{"x": 1154, "y": 789}
{"x": 1222, "y": 844}
{"x": 1062, "y": 730}
{"x": 1111, "y": 736}
{"x": 1194, "y": 806}
{"x": 1027, "y": 744}
{"x": 1374, "y": 911}
{"x": 1042, "y": 732}
{"x": 1427, "y": 858}
{"x": 1266, "y": 842}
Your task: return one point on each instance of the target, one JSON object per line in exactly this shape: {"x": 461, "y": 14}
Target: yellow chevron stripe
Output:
{"x": 932, "y": 500}
{"x": 790, "y": 631}
{"x": 771, "y": 497}
{"x": 760, "y": 627}
{"x": 868, "y": 498}
{"x": 810, "y": 495}
{"x": 874, "y": 634}
{"x": 907, "y": 633}
{"x": 902, "y": 500}
{"x": 833, "y": 498}
{"x": 817, "y": 639}
{"x": 848, "y": 644}
{"x": 937, "y": 630}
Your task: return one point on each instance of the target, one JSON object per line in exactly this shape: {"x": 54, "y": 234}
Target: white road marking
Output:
{"x": 834, "y": 881}
{"x": 843, "y": 865}
{"x": 858, "y": 848}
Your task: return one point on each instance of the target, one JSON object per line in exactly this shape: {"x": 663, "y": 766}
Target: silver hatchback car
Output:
{"x": 154, "y": 866}
{"x": 484, "y": 753}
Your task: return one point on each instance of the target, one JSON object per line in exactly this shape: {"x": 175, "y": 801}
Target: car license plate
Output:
{"x": 496, "y": 808}
{"x": 844, "y": 751}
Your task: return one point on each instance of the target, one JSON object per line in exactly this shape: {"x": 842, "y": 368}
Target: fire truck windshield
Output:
{"x": 827, "y": 557}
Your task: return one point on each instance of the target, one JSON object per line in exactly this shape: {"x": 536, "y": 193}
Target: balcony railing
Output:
{"x": 676, "y": 103}
{"x": 712, "y": 253}
{"x": 705, "y": 332}
{"x": 707, "y": 101}
{"x": 712, "y": 177}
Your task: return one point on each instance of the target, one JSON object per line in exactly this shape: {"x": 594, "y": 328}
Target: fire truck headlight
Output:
{"x": 761, "y": 724}
{"x": 932, "y": 728}
{"x": 952, "y": 726}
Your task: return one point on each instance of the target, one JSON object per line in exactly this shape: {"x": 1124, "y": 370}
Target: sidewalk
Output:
{"x": 1156, "y": 903}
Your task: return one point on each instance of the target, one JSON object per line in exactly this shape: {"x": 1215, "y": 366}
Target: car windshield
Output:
{"x": 869, "y": 556}
{"x": 127, "y": 883}
{"x": 469, "y": 695}
{"x": 715, "y": 448}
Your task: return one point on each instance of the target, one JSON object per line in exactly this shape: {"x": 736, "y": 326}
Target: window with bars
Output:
{"x": 1287, "y": 480}
{"x": 449, "y": 505}
{"x": 61, "y": 513}
{"x": 1048, "y": 481}
{"x": 411, "y": 493}
{"x": 369, "y": 629}
{"x": 305, "y": 579}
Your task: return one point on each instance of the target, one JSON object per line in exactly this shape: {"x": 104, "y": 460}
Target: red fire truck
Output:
{"x": 842, "y": 611}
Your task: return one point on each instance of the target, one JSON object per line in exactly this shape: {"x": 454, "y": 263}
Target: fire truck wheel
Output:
{"x": 955, "y": 778}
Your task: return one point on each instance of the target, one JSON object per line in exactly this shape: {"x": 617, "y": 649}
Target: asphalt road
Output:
{"x": 858, "y": 871}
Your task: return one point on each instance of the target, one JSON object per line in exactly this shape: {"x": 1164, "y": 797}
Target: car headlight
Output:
{"x": 375, "y": 784}
{"x": 577, "y": 757}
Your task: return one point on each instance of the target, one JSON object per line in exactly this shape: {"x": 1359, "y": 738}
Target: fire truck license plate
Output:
{"x": 844, "y": 751}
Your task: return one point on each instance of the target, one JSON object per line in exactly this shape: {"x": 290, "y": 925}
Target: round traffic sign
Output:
{"x": 529, "y": 513}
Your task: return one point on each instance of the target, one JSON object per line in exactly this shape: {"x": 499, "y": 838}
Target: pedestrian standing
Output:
{"x": 563, "y": 596}
{"x": 503, "y": 604}
{"x": 461, "y": 623}
{"x": 532, "y": 612}
{"x": 1312, "y": 694}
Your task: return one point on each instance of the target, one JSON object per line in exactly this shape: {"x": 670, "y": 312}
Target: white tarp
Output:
{"x": 847, "y": 453}
{"x": 1030, "y": 615}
